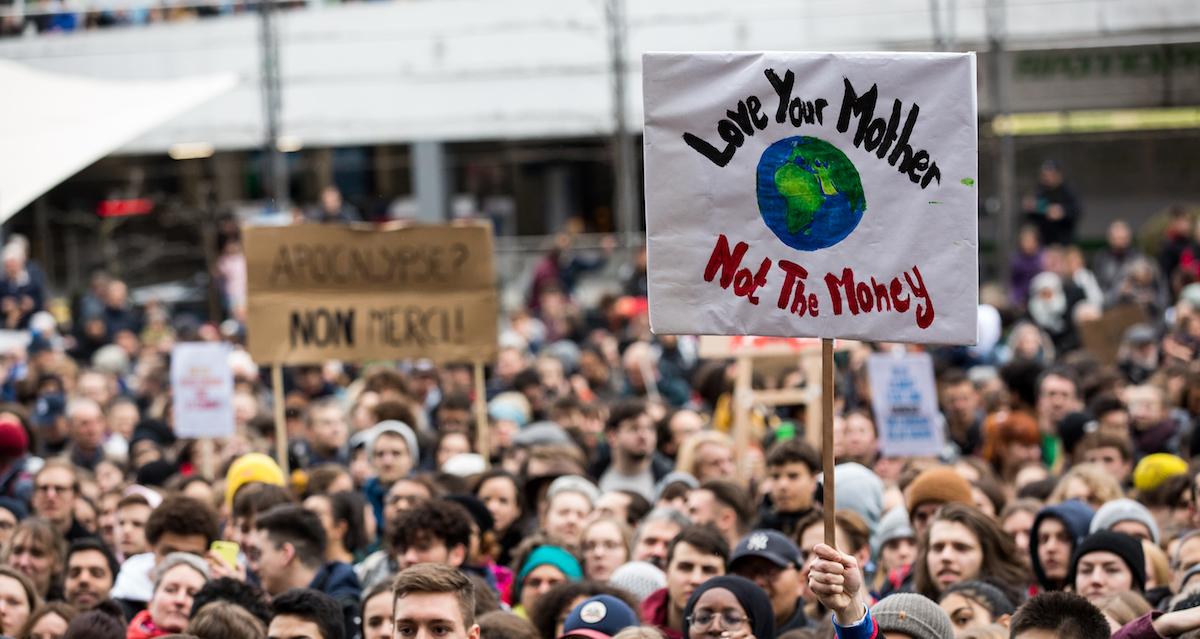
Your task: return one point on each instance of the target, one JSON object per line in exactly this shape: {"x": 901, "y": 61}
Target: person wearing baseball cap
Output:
{"x": 599, "y": 617}
{"x": 772, "y": 561}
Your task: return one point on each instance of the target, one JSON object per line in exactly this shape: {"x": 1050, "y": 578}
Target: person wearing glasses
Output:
{"x": 55, "y": 487}
{"x": 728, "y": 607}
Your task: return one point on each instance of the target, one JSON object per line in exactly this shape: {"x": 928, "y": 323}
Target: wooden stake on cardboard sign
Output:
{"x": 207, "y": 461}
{"x": 827, "y": 461}
{"x": 482, "y": 430}
{"x": 740, "y": 405}
{"x": 281, "y": 438}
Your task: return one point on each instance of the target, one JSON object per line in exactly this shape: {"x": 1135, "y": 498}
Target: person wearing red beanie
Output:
{"x": 15, "y": 479}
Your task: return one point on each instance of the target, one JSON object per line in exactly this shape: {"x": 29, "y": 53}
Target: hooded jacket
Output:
{"x": 1076, "y": 516}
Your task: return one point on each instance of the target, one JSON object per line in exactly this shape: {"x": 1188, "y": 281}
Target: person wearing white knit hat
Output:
{"x": 641, "y": 578}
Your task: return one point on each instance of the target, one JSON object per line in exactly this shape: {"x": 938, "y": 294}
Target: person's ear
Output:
{"x": 289, "y": 552}
{"x": 473, "y": 632}
{"x": 728, "y": 518}
{"x": 458, "y": 556}
{"x": 863, "y": 556}
{"x": 1003, "y": 620}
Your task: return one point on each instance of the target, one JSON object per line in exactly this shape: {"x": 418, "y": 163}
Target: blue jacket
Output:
{"x": 375, "y": 491}
{"x": 1076, "y": 516}
{"x": 866, "y": 628}
{"x": 337, "y": 579}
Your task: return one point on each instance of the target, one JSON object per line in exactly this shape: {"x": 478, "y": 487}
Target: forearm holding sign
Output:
{"x": 837, "y": 581}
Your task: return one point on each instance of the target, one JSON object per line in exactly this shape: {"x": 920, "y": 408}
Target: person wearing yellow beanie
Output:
{"x": 1154, "y": 469}
{"x": 251, "y": 467}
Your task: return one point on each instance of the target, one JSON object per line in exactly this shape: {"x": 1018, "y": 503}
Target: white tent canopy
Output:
{"x": 52, "y": 125}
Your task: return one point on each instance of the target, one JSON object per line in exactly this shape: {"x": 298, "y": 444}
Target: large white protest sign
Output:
{"x": 904, "y": 399}
{"x": 812, "y": 195}
{"x": 202, "y": 385}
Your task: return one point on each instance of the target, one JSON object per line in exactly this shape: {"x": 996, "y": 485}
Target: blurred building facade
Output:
{"x": 442, "y": 108}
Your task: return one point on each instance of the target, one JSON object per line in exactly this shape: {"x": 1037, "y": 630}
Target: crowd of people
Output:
{"x": 609, "y": 502}
{"x": 67, "y": 16}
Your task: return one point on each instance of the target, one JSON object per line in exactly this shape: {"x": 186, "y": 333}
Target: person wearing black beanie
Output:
{"x": 755, "y": 607}
{"x": 1107, "y": 563}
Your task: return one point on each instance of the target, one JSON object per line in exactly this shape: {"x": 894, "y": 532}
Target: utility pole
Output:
{"x": 625, "y": 202}
{"x": 935, "y": 22}
{"x": 943, "y": 25}
{"x": 275, "y": 176}
{"x": 998, "y": 78}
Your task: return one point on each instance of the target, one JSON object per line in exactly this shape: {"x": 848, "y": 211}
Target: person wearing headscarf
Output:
{"x": 728, "y": 604}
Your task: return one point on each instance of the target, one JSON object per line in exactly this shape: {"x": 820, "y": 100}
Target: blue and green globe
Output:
{"x": 809, "y": 192}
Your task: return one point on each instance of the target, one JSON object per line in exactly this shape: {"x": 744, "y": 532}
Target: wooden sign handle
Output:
{"x": 482, "y": 433}
{"x": 281, "y": 438}
{"x": 827, "y": 460}
{"x": 740, "y": 403}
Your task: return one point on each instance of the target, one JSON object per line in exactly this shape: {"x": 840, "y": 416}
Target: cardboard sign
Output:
{"x": 1102, "y": 337}
{"x": 904, "y": 398}
{"x": 812, "y": 195}
{"x": 720, "y": 346}
{"x": 202, "y": 387}
{"x": 14, "y": 341}
{"x": 321, "y": 292}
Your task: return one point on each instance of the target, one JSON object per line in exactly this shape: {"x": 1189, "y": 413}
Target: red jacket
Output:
{"x": 143, "y": 628}
{"x": 655, "y": 611}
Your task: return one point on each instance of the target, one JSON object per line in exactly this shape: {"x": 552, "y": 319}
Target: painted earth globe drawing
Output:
{"x": 809, "y": 193}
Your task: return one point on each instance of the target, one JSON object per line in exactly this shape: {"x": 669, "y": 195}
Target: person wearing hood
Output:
{"x": 287, "y": 550}
{"x": 1056, "y": 532}
{"x": 728, "y": 606}
{"x": 393, "y": 451}
{"x": 895, "y": 547}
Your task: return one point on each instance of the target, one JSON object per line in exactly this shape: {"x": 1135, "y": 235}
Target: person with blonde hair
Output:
{"x": 707, "y": 455}
{"x": 1088, "y": 483}
{"x": 639, "y": 632}
{"x": 1158, "y": 567}
{"x": 606, "y": 545}
{"x": 1122, "y": 608}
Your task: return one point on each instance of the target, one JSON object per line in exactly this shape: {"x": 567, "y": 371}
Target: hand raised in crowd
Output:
{"x": 837, "y": 581}
{"x": 1178, "y": 622}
